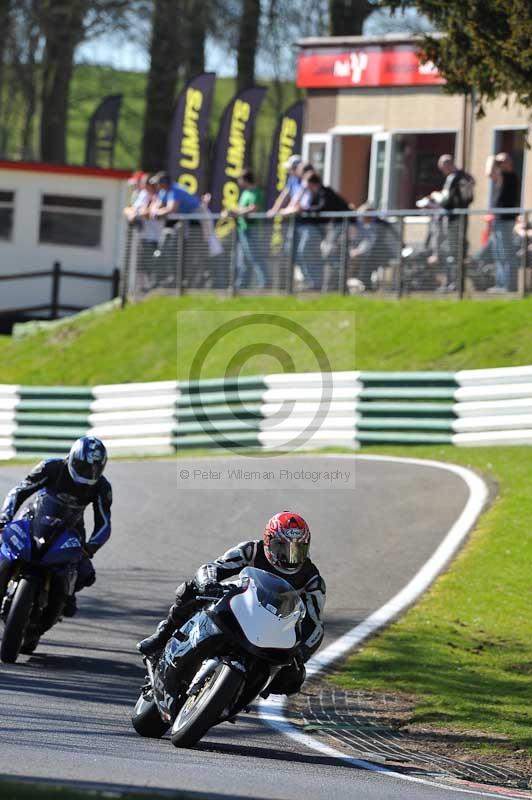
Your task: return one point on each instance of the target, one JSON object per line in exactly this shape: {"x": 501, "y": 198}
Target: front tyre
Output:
{"x": 17, "y": 621}
{"x": 146, "y": 718}
{"x": 202, "y": 711}
{"x": 6, "y": 570}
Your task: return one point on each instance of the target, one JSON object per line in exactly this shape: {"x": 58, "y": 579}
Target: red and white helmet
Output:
{"x": 287, "y": 542}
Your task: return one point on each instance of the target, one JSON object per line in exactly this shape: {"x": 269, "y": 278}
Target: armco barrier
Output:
{"x": 278, "y": 412}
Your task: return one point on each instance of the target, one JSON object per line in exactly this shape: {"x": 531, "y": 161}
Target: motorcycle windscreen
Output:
{"x": 50, "y": 515}
{"x": 267, "y": 611}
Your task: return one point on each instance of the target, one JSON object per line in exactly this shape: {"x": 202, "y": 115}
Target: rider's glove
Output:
{"x": 4, "y": 520}
{"x": 89, "y": 550}
{"x": 205, "y": 577}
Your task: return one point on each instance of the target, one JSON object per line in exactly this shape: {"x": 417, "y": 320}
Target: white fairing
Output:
{"x": 261, "y": 627}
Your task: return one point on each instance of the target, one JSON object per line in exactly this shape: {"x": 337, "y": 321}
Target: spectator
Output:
{"x": 450, "y": 230}
{"x": 138, "y": 213}
{"x": 375, "y": 243}
{"x": 523, "y": 237}
{"x": 172, "y": 198}
{"x": 292, "y": 186}
{"x": 322, "y": 199}
{"x": 507, "y": 195}
{"x": 250, "y": 202}
{"x": 298, "y": 204}
{"x": 136, "y": 181}
{"x": 302, "y": 197}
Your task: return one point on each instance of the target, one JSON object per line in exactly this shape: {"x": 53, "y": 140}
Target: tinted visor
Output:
{"x": 89, "y": 472}
{"x": 289, "y": 555}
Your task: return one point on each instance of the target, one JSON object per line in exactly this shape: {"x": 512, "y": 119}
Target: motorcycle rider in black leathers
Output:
{"x": 283, "y": 551}
{"x": 78, "y": 481}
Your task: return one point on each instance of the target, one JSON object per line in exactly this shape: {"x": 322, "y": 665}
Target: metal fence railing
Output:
{"x": 466, "y": 253}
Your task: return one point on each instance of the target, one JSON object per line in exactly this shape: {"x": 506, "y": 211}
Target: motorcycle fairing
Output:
{"x": 180, "y": 661}
{"x": 17, "y": 545}
{"x": 64, "y": 549}
{"x": 16, "y": 541}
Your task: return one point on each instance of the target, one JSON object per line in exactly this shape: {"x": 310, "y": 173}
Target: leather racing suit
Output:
{"x": 307, "y": 582}
{"x": 53, "y": 476}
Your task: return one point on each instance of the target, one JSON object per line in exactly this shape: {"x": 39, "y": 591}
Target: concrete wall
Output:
{"x": 415, "y": 109}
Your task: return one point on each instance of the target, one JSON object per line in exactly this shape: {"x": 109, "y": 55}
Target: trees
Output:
{"x": 247, "y": 42}
{"x": 486, "y": 47}
{"x": 165, "y": 60}
{"x": 347, "y": 16}
{"x": 62, "y": 26}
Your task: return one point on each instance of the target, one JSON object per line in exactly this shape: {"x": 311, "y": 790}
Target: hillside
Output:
{"x": 91, "y": 83}
{"x": 159, "y": 338}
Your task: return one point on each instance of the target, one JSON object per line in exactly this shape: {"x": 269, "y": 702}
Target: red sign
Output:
{"x": 372, "y": 66}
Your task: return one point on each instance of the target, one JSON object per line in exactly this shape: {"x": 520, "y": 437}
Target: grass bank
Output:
{"x": 159, "y": 338}
{"x": 465, "y": 651}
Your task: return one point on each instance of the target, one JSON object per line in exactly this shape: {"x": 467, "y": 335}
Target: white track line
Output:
{"x": 271, "y": 711}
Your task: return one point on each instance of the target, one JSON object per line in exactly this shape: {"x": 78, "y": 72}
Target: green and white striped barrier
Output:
{"x": 278, "y": 412}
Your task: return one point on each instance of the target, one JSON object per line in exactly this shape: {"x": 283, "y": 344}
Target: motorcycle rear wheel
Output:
{"x": 146, "y": 718}
{"x": 204, "y": 710}
{"x": 17, "y": 621}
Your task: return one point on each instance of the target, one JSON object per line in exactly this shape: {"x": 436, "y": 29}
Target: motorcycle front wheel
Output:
{"x": 6, "y": 570}
{"x": 203, "y": 710}
{"x": 146, "y": 718}
{"x": 17, "y": 621}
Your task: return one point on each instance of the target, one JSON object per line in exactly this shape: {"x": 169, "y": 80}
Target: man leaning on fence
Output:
{"x": 447, "y": 229}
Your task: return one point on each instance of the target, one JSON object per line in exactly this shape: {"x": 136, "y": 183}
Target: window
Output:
{"x": 7, "y": 209}
{"x": 378, "y": 173}
{"x": 511, "y": 141}
{"x": 317, "y": 151}
{"x": 414, "y": 169}
{"x": 75, "y": 221}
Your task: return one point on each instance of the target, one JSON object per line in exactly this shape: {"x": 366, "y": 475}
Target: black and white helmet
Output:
{"x": 86, "y": 460}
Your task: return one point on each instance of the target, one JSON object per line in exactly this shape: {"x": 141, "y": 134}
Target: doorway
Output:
{"x": 353, "y": 172}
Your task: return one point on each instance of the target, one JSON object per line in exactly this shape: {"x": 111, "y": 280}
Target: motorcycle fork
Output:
{"x": 10, "y": 591}
{"x": 42, "y": 597}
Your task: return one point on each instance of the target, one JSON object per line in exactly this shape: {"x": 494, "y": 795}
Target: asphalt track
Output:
{"x": 65, "y": 710}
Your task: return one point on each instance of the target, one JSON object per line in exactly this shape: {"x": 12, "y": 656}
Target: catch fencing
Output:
{"x": 397, "y": 253}
{"x": 285, "y": 412}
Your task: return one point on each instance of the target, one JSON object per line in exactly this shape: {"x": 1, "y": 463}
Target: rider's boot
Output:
{"x": 70, "y": 607}
{"x": 179, "y": 612}
{"x": 158, "y": 640}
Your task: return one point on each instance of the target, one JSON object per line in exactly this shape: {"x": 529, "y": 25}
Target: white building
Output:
{"x": 54, "y": 213}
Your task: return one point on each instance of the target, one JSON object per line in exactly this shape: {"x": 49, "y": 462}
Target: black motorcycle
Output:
{"x": 227, "y": 654}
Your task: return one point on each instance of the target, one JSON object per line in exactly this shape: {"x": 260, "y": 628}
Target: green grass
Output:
{"x": 91, "y": 83}
{"x": 159, "y": 338}
{"x": 465, "y": 649}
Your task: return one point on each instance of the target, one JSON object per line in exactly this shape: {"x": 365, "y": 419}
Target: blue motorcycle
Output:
{"x": 39, "y": 558}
